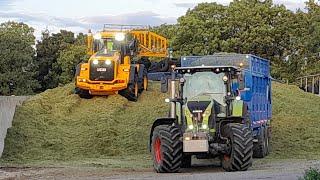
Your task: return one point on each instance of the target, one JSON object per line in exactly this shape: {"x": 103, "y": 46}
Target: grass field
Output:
{"x": 57, "y": 127}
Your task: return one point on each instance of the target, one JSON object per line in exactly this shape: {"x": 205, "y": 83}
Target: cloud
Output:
{"x": 41, "y": 21}
{"x": 292, "y": 5}
{"x": 39, "y": 17}
{"x": 6, "y": 4}
{"x": 185, "y": 5}
{"x": 141, "y": 18}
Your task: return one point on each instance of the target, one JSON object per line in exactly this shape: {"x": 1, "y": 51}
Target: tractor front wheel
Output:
{"x": 239, "y": 157}
{"x": 166, "y": 149}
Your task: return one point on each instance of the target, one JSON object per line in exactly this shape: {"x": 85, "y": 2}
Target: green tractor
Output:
{"x": 207, "y": 119}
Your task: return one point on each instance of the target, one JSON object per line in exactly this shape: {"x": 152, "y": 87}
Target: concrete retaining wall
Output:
{"x": 7, "y": 108}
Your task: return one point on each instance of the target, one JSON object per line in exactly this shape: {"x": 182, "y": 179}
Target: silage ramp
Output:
{"x": 58, "y": 125}
{"x": 295, "y": 123}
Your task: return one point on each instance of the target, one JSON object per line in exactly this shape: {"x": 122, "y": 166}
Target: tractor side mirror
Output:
{"x": 245, "y": 86}
{"x": 164, "y": 85}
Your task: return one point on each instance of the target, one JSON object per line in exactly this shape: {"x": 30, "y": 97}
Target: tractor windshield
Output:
{"x": 107, "y": 46}
{"x": 205, "y": 83}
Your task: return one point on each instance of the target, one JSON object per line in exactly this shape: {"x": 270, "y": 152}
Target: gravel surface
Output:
{"x": 286, "y": 169}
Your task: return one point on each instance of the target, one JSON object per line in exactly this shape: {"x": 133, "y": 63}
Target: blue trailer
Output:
{"x": 220, "y": 106}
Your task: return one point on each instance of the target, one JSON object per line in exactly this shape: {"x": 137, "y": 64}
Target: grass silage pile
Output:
{"x": 59, "y": 126}
{"x": 296, "y": 123}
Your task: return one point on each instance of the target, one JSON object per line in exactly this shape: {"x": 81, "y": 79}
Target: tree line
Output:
{"x": 29, "y": 67}
{"x": 290, "y": 40}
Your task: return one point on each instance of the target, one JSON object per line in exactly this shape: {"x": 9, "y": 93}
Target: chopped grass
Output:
{"x": 57, "y": 125}
{"x": 296, "y": 123}
{"x": 58, "y": 128}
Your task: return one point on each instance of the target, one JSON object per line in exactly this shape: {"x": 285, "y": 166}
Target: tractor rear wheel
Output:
{"x": 166, "y": 149}
{"x": 239, "y": 157}
{"x": 260, "y": 147}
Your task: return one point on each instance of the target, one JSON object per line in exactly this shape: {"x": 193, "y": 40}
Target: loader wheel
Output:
{"x": 260, "y": 147}
{"x": 132, "y": 91}
{"x": 166, "y": 149}
{"x": 136, "y": 89}
{"x": 83, "y": 93}
{"x": 186, "y": 161}
{"x": 239, "y": 157}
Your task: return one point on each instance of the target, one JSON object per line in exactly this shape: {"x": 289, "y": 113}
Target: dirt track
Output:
{"x": 286, "y": 169}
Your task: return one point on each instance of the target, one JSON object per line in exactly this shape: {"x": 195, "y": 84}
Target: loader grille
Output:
{"x": 101, "y": 71}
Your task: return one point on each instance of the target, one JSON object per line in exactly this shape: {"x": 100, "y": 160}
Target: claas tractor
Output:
{"x": 207, "y": 119}
{"x": 118, "y": 62}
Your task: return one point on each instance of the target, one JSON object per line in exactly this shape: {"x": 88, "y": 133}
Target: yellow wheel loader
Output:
{"x": 119, "y": 56}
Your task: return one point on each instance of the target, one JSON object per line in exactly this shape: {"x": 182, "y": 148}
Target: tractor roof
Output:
{"x": 215, "y": 69}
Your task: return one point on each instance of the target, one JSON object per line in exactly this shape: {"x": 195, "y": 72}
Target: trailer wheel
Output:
{"x": 260, "y": 147}
{"x": 239, "y": 157}
{"x": 166, "y": 149}
{"x": 267, "y": 140}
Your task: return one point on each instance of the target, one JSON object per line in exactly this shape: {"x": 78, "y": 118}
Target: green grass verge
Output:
{"x": 58, "y": 128}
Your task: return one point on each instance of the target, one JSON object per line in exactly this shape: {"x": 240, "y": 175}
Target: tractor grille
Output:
{"x": 101, "y": 71}
{"x": 198, "y": 106}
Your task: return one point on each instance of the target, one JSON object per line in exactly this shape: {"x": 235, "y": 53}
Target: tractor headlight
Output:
{"x": 190, "y": 126}
{"x": 107, "y": 62}
{"x": 204, "y": 126}
{"x": 167, "y": 100}
{"x": 97, "y": 36}
{"x": 182, "y": 80}
{"x": 119, "y": 36}
{"x": 95, "y": 62}
{"x": 225, "y": 78}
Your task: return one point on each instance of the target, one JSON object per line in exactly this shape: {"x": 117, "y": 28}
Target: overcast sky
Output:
{"x": 81, "y": 15}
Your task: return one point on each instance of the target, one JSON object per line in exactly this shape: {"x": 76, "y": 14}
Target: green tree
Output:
{"x": 48, "y": 51}
{"x": 17, "y": 59}
{"x": 289, "y": 39}
{"x": 68, "y": 60}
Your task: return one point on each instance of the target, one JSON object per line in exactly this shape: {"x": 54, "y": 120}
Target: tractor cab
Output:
{"x": 208, "y": 93}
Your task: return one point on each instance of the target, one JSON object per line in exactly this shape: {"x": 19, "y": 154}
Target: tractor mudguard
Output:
{"x": 158, "y": 122}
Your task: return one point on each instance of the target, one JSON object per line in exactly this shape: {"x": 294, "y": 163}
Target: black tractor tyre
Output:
{"x": 186, "y": 161}
{"x": 259, "y": 148}
{"x": 132, "y": 91}
{"x": 84, "y": 94}
{"x": 144, "y": 85}
{"x": 166, "y": 149}
{"x": 240, "y": 139}
{"x": 267, "y": 140}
